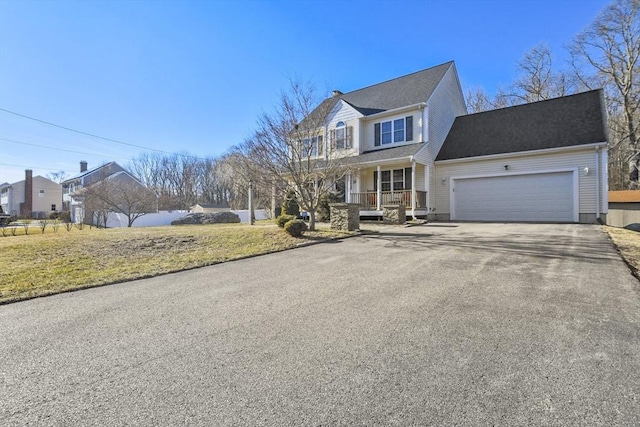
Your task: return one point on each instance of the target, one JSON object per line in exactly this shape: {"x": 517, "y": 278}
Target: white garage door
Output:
{"x": 535, "y": 197}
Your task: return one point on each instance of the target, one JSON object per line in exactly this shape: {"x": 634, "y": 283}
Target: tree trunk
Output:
{"x": 312, "y": 220}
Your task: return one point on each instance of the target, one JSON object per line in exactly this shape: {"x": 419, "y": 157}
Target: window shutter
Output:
{"x": 407, "y": 178}
{"x": 376, "y": 138}
{"x": 332, "y": 138}
{"x": 320, "y": 145}
{"x": 409, "y": 128}
{"x": 349, "y": 143}
{"x": 375, "y": 180}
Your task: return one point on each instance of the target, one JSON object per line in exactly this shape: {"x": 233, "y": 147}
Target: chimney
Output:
{"x": 337, "y": 93}
{"x": 27, "y": 207}
{"x": 83, "y": 166}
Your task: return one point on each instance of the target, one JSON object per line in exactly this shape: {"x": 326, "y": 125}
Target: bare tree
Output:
{"x": 57, "y": 176}
{"x": 538, "y": 79}
{"x": 478, "y": 100}
{"x": 607, "y": 54}
{"x": 124, "y": 196}
{"x": 289, "y": 146}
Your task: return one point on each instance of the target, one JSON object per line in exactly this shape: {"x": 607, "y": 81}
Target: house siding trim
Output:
{"x": 523, "y": 153}
{"x": 575, "y": 177}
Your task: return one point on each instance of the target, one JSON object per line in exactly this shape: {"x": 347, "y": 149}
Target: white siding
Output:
{"x": 368, "y": 130}
{"x": 444, "y": 105}
{"x": 343, "y": 112}
{"x": 580, "y": 159}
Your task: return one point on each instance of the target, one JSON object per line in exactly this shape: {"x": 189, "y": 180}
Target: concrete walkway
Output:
{"x": 445, "y": 324}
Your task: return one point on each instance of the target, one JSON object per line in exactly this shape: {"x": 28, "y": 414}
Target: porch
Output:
{"x": 368, "y": 200}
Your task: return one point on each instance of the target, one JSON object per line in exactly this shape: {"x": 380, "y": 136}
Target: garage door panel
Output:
{"x": 534, "y": 197}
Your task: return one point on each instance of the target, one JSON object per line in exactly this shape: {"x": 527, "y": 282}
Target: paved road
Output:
{"x": 470, "y": 324}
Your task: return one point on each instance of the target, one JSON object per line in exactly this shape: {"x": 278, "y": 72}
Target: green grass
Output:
{"x": 41, "y": 264}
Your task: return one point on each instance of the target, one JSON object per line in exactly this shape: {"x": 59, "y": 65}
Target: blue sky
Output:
{"x": 193, "y": 76}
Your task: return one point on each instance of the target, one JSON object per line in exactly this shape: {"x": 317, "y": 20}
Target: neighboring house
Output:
{"x": 410, "y": 141}
{"x": 208, "y": 208}
{"x": 624, "y": 208}
{"x": 73, "y": 187}
{"x": 33, "y": 197}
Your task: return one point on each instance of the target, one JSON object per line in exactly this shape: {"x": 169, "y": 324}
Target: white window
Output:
{"x": 312, "y": 147}
{"x": 398, "y": 130}
{"x": 41, "y": 193}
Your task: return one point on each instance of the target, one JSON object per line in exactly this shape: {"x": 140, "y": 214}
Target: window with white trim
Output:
{"x": 393, "y": 180}
{"x": 312, "y": 147}
{"x": 398, "y": 130}
{"x": 342, "y": 136}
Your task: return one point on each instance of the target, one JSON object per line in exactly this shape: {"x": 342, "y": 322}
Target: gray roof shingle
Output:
{"x": 559, "y": 122}
{"x": 399, "y": 92}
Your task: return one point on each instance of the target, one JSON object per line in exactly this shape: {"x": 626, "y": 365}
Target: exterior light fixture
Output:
{"x": 586, "y": 171}
{"x": 444, "y": 181}
{"x": 506, "y": 167}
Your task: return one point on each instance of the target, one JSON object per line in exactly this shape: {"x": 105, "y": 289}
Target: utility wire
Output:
{"x": 59, "y": 149}
{"x": 31, "y": 167}
{"x": 97, "y": 136}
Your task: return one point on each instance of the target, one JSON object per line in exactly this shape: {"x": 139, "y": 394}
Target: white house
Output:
{"x": 410, "y": 141}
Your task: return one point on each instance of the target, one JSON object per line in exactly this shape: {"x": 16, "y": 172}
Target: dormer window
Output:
{"x": 399, "y": 130}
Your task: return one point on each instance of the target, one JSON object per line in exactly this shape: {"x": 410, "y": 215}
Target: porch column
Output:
{"x": 379, "y": 187}
{"x": 347, "y": 197}
{"x": 413, "y": 189}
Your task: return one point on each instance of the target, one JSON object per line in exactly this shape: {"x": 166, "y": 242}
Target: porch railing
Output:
{"x": 369, "y": 199}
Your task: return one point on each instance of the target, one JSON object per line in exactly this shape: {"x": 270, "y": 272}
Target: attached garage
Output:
{"x": 539, "y": 197}
{"x": 540, "y": 162}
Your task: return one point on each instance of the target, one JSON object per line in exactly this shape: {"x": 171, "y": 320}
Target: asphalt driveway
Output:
{"x": 450, "y": 324}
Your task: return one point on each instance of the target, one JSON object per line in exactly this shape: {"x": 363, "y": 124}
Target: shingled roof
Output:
{"x": 399, "y": 92}
{"x": 559, "y": 122}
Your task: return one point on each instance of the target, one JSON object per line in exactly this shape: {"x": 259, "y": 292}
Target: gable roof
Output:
{"x": 624, "y": 196}
{"x": 411, "y": 89}
{"x": 89, "y": 172}
{"x": 559, "y": 122}
{"x": 395, "y": 93}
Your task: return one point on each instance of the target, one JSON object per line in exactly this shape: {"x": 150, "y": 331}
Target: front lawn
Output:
{"x": 41, "y": 264}
{"x": 628, "y": 243}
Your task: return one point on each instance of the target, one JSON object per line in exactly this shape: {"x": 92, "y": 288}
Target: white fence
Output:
{"x": 117, "y": 220}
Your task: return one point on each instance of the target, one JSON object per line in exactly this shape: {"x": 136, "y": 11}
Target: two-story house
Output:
{"x": 543, "y": 161}
{"x": 32, "y": 197}
{"x": 72, "y": 196}
{"x": 389, "y": 135}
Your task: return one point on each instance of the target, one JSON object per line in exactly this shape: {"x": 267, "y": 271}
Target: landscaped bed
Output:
{"x": 40, "y": 264}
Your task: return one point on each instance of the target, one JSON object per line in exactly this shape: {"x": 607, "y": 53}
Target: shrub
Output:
{"x": 295, "y": 227}
{"x": 65, "y": 216}
{"x": 290, "y": 205}
{"x": 54, "y": 215}
{"x": 283, "y": 219}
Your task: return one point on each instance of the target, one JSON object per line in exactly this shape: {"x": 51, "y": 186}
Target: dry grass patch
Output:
{"x": 41, "y": 264}
{"x": 628, "y": 243}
